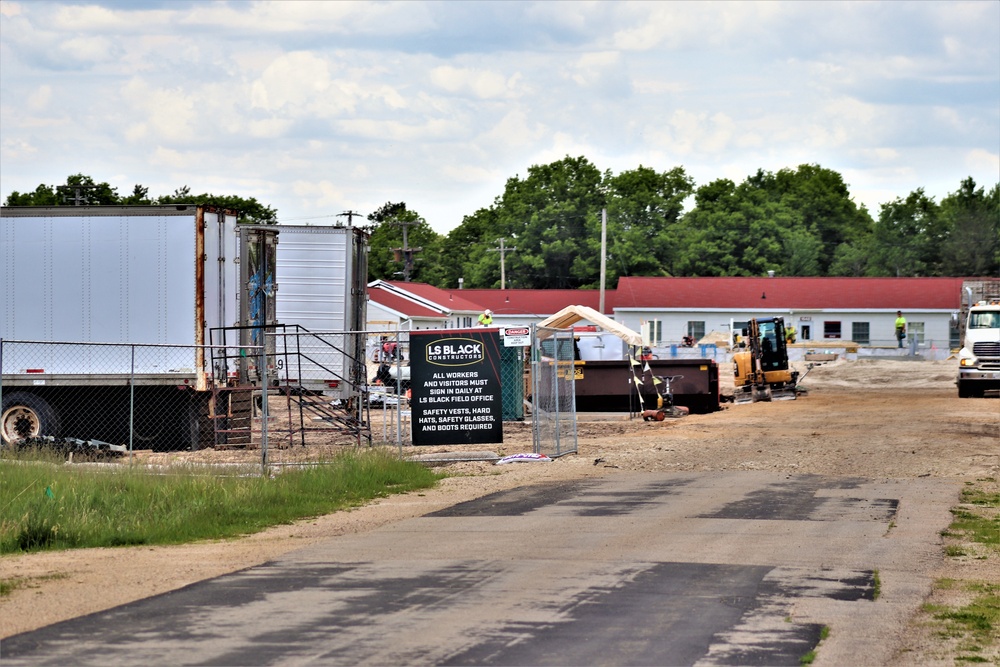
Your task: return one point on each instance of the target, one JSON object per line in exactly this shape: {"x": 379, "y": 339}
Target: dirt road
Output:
{"x": 876, "y": 419}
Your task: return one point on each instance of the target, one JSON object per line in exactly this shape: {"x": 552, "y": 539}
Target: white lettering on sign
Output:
{"x": 454, "y": 352}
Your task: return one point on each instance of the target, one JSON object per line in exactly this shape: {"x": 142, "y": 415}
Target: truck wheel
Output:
{"x": 966, "y": 390}
{"x": 26, "y": 415}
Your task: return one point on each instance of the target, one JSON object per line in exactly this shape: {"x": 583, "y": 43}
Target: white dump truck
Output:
{"x": 106, "y": 312}
{"x": 979, "y": 358}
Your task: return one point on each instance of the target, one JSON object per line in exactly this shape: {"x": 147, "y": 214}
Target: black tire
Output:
{"x": 26, "y": 415}
{"x": 969, "y": 390}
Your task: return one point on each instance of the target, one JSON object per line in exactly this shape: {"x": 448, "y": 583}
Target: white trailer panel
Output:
{"x": 315, "y": 274}
{"x": 118, "y": 275}
{"x": 322, "y": 275}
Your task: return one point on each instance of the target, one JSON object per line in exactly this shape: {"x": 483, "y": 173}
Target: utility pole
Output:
{"x": 405, "y": 254}
{"x": 503, "y": 252}
{"x": 350, "y": 216}
{"x": 604, "y": 252}
{"x": 79, "y": 196}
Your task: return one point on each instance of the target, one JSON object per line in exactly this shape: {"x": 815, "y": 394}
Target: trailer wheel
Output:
{"x": 26, "y": 415}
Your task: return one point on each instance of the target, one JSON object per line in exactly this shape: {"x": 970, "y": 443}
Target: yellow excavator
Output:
{"x": 760, "y": 357}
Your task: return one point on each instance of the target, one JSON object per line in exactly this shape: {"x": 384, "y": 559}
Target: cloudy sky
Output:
{"x": 316, "y": 108}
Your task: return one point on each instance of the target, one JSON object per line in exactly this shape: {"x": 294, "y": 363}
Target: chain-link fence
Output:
{"x": 324, "y": 391}
{"x": 553, "y": 396}
{"x": 113, "y": 397}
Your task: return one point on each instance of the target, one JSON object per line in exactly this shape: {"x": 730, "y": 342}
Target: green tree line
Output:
{"x": 795, "y": 222}
{"x": 82, "y": 190}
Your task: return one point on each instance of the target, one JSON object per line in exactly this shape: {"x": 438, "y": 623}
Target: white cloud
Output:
{"x": 470, "y": 173}
{"x": 983, "y": 161}
{"x": 39, "y": 98}
{"x": 293, "y": 82}
{"x": 699, "y": 133}
{"x": 297, "y": 17}
{"x": 166, "y": 115}
{"x": 88, "y": 18}
{"x": 305, "y": 103}
{"x": 515, "y": 129}
{"x": 10, "y": 9}
{"x": 323, "y": 194}
{"x": 174, "y": 159}
{"x": 17, "y": 149}
{"x": 482, "y": 84}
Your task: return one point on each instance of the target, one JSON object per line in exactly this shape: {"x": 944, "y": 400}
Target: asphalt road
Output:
{"x": 737, "y": 568}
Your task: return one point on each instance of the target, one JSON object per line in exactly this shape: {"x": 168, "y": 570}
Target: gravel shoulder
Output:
{"x": 869, "y": 418}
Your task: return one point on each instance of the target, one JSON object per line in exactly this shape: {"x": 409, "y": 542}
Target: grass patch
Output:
{"x": 47, "y": 505}
{"x": 810, "y": 657}
{"x": 876, "y": 585}
{"x": 976, "y": 522}
{"x": 976, "y": 626}
{"x": 8, "y": 586}
{"x": 973, "y": 629}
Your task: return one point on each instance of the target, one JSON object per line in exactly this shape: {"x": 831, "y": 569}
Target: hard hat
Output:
{"x": 489, "y": 312}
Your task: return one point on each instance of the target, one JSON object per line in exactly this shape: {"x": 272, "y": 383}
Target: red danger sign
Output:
{"x": 516, "y": 331}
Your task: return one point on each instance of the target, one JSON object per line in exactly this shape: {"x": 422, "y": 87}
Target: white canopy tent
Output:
{"x": 570, "y": 315}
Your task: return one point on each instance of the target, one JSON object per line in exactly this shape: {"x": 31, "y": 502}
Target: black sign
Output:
{"x": 455, "y": 383}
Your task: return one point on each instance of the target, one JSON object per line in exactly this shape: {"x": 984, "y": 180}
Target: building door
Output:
{"x": 806, "y": 333}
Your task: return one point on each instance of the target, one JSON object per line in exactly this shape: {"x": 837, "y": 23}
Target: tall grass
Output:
{"x": 51, "y": 505}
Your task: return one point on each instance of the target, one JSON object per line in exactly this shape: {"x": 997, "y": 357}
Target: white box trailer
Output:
{"x": 76, "y": 279}
{"x": 323, "y": 272}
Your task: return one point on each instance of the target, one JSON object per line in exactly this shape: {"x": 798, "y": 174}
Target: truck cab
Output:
{"x": 979, "y": 358}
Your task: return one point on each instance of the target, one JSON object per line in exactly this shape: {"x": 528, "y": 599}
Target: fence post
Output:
{"x": 1, "y": 378}
{"x": 263, "y": 406}
{"x": 131, "y": 402}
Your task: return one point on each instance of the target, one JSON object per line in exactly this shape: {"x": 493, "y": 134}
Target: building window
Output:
{"x": 652, "y": 332}
{"x": 696, "y": 330}
{"x": 831, "y": 329}
{"x": 915, "y": 329}
{"x": 860, "y": 333}
{"x": 806, "y": 332}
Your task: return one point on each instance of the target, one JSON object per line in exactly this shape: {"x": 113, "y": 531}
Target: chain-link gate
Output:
{"x": 553, "y": 393}
{"x": 388, "y": 366}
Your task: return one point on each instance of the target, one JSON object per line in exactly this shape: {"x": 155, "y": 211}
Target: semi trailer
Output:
{"x": 323, "y": 307}
{"x": 114, "y": 321}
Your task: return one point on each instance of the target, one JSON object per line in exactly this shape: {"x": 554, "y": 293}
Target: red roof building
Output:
{"x": 789, "y": 293}
{"x": 862, "y": 310}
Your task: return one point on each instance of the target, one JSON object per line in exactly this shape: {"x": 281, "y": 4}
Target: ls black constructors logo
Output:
{"x": 455, "y": 352}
